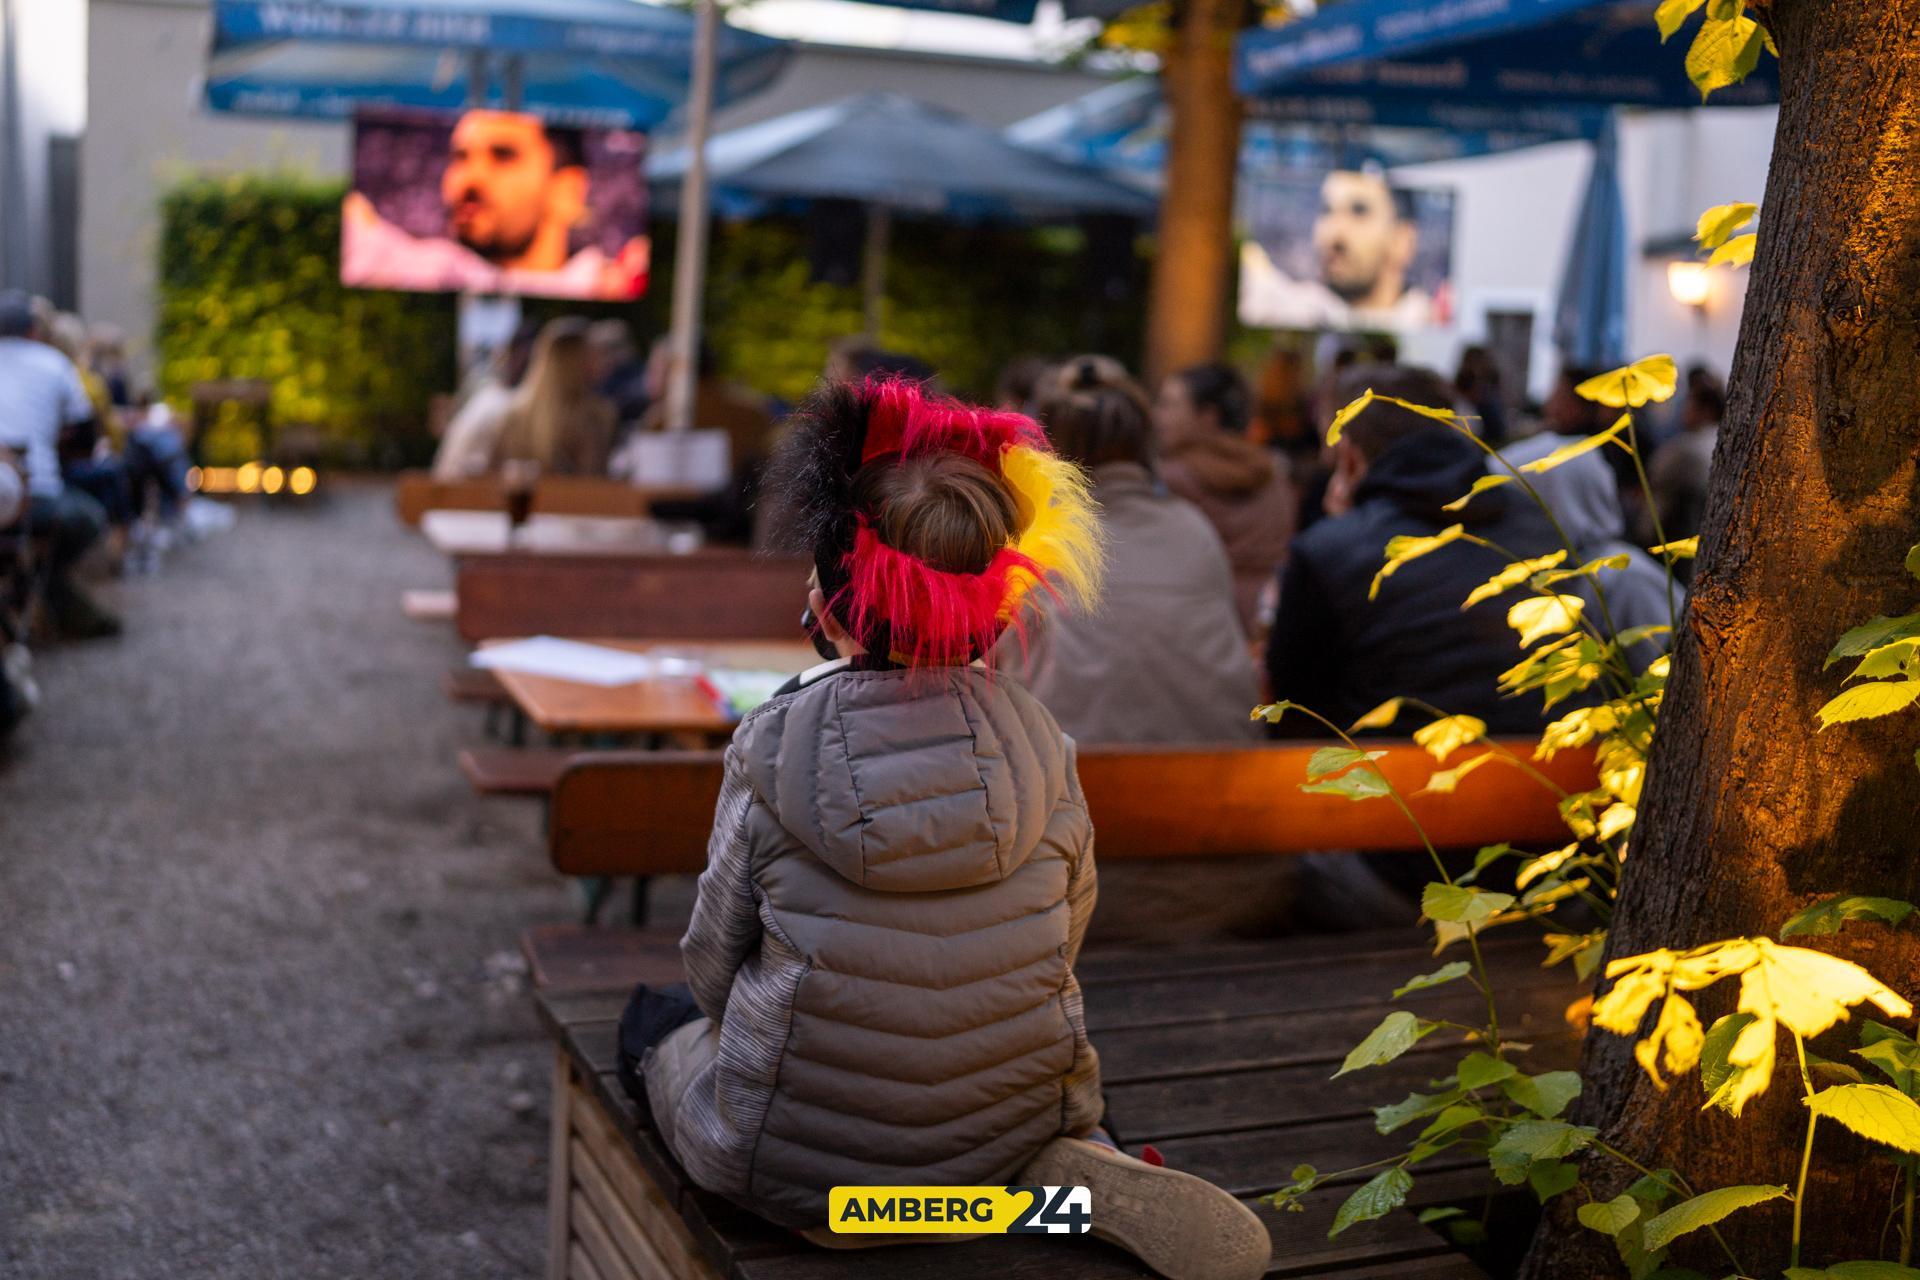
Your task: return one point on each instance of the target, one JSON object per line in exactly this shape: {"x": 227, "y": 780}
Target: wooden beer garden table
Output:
{"x": 675, "y": 704}
{"x": 487, "y": 533}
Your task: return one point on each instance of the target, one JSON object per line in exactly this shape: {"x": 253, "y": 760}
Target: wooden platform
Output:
{"x": 1219, "y": 1055}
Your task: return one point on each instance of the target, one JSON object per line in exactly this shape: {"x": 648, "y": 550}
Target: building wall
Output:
{"x": 49, "y": 92}
{"x": 148, "y": 127}
{"x": 1514, "y": 222}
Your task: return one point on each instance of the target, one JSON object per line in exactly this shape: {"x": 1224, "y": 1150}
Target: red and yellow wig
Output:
{"x": 924, "y": 615}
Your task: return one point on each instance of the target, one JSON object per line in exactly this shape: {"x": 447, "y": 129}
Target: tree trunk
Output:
{"x": 1748, "y": 814}
{"x": 1187, "y": 304}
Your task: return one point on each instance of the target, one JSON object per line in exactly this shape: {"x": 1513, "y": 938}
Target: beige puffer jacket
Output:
{"x": 899, "y": 877}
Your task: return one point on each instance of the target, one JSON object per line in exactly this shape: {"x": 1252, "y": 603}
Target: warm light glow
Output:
{"x": 247, "y": 478}
{"x": 193, "y": 479}
{"x": 302, "y": 481}
{"x": 1691, "y": 283}
{"x": 271, "y": 479}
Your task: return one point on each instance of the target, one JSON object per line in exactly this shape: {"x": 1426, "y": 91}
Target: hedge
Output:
{"x": 249, "y": 288}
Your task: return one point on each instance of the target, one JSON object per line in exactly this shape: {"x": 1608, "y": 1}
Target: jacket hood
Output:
{"x": 1583, "y": 493}
{"x": 910, "y": 781}
{"x": 1227, "y": 463}
{"x": 1423, "y": 472}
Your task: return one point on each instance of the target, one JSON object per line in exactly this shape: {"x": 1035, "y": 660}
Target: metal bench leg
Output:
{"x": 599, "y": 889}
{"x": 639, "y": 917}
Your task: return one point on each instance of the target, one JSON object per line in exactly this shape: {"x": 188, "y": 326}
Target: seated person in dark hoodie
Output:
{"x": 1336, "y": 651}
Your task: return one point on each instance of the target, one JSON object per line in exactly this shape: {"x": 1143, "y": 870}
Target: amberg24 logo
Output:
{"x": 960, "y": 1210}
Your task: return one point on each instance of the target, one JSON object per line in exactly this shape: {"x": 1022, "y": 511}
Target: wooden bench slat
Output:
{"x": 1152, "y": 1110}
{"x": 571, "y": 957}
{"x": 1251, "y": 992}
{"x": 579, "y": 1265}
{"x": 639, "y": 813}
{"x": 717, "y": 594}
{"x": 513, "y": 771}
{"x": 648, "y": 1247}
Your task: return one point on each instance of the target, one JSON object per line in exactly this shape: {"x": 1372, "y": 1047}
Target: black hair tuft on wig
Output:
{"x": 809, "y": 486}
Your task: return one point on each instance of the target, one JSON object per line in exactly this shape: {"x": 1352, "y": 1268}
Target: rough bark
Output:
{"x": 1187, "y": 306}
{"x": 1748, "y": 814}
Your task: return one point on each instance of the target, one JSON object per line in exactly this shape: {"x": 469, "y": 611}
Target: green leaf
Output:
{"x": 1547, "y": 1094}
{"x": 1478, "y": 1070}
{"x": 1362, "y": 783}
{"x": 1721, "y": 221}
{"x": 1611, "y": 1218}
{"x": 1398, "y": 1032}
{"x": 1855, "y": 1271}
{"x": 1457, "y": 1116}
{"x": 1480, "y": 486}
{"x": 1828, "y": 914}
{"x": 1428, "y": 1216}
{"x": 1869, "y": 636}
{"x": 1913, "y": 561}
{"x": 1461, "y": 905}
{"x": 1412, "y": 1107}
{"x": 1532, "y": 1140}
{"x": 1899, "y": 1059}
{"x": 1466, "y": 1232}
{"x": 1333, "y": 759}
{"x": 1870, "y": 701}
{"x": 1550, "y": 1178}
{"x": 1874, "y": 1111}
{"x": 1715, "y": 1069}
{"x": 1704, "y": 1211}
{"x": 1380, "y": 1196}
{"x": 1445, "y": 973}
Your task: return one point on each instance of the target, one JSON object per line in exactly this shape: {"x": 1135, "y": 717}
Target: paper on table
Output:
{"x": 582, "y": 663}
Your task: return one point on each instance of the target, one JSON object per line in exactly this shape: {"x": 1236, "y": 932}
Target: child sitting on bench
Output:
{"x": 901, "y": 867}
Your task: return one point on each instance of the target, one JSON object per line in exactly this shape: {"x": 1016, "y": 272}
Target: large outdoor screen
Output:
{"x": 1347, "y": 250}
{"x": 495, "y": 202}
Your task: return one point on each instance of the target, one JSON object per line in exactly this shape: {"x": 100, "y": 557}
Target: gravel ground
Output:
{"x": 261, "y": 1007}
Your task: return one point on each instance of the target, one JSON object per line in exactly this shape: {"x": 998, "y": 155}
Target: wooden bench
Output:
{"x": 416, "y": 492}
{"x": 715, "y": 594}
{"x": 1220, "y": 1055}
{"x": 649, "y": 813}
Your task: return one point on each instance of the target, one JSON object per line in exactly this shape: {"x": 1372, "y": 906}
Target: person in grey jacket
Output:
{"x": 901, "y": 868}
{"x": 1167, "y": 628}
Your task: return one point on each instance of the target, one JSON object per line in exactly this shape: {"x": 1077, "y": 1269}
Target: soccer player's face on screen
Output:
{"x": 501, "y": 185}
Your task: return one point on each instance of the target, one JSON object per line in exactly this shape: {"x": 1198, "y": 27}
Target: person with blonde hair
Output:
{"x": 557, "y": 420}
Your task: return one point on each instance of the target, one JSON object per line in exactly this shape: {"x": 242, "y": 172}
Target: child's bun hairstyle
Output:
{"x": 930, "y": 522}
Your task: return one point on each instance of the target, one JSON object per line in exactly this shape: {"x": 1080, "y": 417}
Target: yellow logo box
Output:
{"x": 954, "y": 1210}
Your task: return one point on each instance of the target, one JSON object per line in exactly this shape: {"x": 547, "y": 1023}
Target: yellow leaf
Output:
{"x": 1543, "y": 616}
{"x": 1616, "y": 819}
{"x": 1679, "y": 548}
{"x": 1380, "y": 717}
{"x": 1353, "y": 409}
{"x": 1510, "y": 577}
{"x": 1868, "y": 701}
{"x": 1675, "y": 1042}
{"x": 1568, "y": 452}
{"x": 1435, "y": 412}
{"x": 1809, "y": 991}
{"x": 1448, "y": 734}
{"x": 1721, "y": 221}
{"x": 1651, "y": 379}
{"x": 1671, "y": 14}
{"x": 1737, "y": 252}
{"x": 1534, "y": 868}
{"x": 1480, "y": 486}
{"x": 1407, "y": 547}
{"x": 1642, "y": 981}
{"x": 1444, "y": 782}
{"x": 1723, "y": 51}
